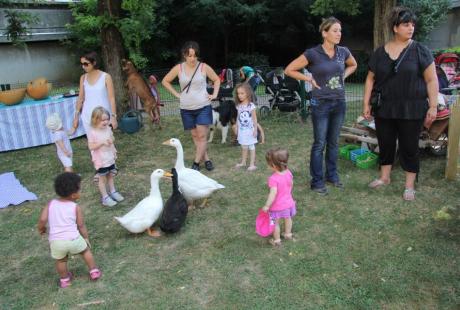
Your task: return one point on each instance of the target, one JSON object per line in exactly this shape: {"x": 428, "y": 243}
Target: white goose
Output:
{"x": 192, "y": 183}
{"x": 148, "y": 210}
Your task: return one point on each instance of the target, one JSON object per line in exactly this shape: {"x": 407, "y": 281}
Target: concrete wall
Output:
{"x": 50, "y": 26}
{"x": 43, "y": 54}
{"x": 446, "y": 34}
{"x": 48, "y": 59}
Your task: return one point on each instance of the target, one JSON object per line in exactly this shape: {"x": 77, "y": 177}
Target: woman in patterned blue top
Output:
{"x": 329, "y": 65}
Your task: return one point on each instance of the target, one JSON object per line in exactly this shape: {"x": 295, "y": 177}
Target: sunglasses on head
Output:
{"x": 85, "y": 64}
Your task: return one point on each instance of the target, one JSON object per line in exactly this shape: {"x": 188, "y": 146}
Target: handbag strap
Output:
{"x": 187, "y": 87}
{"x": 394, "y": 71}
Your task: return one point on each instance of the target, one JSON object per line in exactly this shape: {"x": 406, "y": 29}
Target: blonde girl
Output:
{"x": 103, "y": 153}
{"x": 280, "y": 203}
{"x": 246, "y": 122}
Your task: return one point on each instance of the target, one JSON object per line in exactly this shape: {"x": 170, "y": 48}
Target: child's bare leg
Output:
{"x": 111, "y": 183}
{"x": 88, "y": 258}
{"x": 61, "y": 267}
{"x": 244, "y": 156}
{"x": 252, "y": 159}
{"x": 102, "y": 184}
{"x": 288, "y": 228}
{"x": 277, "y": 231}
{"x": 68, "y": 169}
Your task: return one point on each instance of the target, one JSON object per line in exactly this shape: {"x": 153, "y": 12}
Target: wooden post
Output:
{"x": 453, "y": 141}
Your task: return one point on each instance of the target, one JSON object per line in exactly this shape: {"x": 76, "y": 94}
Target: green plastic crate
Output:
{"x": 367, "y": 160}
{"x": 344, "y": 151}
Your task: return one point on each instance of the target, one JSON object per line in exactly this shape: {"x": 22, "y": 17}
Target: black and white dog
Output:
{"x": 223, "y": 117}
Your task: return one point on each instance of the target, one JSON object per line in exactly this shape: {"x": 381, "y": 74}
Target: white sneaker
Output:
{"x": 108, "y": 202}
{"x": 117, "y": 196}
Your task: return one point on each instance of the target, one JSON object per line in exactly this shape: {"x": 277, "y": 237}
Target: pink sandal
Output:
{"x": 66, "y": 282}
{"x": 95, "y": 274}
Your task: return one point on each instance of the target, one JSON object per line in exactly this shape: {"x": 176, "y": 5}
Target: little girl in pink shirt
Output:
{"x": 67, "y": 230}
{"x": 280, "y": 204}
{"x": 103, "y": 153}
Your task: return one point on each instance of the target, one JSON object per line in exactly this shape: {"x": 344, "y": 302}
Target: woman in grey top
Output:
{"x": 195, "y": 102}
{"x": 329, "y": 65}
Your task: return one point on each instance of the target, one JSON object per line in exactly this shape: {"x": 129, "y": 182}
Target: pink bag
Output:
{"x": 264, "y": 225}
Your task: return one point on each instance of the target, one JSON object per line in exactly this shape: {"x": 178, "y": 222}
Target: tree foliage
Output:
{"x": 429, "y": 12}
{"x": 330, "y": 7}
{"x": 136, "y": 25}
{"x": 17, "y": 25}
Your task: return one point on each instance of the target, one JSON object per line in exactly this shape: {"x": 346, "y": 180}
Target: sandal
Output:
{"x": 65, "y": 282}
{"x": 238, "y": 166}
{"x": 95, "y": 274}
{"x": 409, "y": 194}
{"x": 378, "y": 183}
{"x": 252, "y": 168}
{"x": 274, "y": 242}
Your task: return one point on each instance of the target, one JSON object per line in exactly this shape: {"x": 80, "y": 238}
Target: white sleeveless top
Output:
{"x": 197, "y": 95}
{"x": 95, "y": 95}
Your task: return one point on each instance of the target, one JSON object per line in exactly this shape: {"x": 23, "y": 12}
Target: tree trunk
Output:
{"x": 113, "y": 51}
{"x": 382, "y": 33}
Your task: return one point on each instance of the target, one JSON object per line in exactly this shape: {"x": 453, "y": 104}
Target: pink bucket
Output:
{"x": 264, "y": 225}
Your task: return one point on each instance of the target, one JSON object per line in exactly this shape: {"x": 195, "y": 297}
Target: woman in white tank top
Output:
{"x": 96, "y": 89}
{"x": 195, "y": 102}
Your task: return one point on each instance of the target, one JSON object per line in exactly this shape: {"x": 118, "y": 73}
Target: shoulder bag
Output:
{"x": 376, "y": 95}
{"x": 187, "y": 87}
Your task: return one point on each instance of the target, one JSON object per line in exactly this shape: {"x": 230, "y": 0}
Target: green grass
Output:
{"x": 356, "y": 249}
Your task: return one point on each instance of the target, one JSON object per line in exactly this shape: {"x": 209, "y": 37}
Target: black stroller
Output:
{"x": 284, "y": 92}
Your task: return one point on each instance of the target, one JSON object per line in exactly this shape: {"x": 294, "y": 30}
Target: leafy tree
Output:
{"x": 18, "y": 21}
{"x": 429, "y": 12}
{"x": 116, "y": 29}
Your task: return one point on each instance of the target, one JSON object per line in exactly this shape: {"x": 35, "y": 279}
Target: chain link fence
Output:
{"x": 354, "y": 89}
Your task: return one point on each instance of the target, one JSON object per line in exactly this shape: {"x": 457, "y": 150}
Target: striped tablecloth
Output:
{"x": 23, "y": 125}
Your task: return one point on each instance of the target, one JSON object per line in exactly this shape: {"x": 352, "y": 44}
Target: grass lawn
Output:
{"x": 354, "y": 249}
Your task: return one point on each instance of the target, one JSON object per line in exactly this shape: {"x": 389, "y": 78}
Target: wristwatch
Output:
{"x": 113, "y": 114}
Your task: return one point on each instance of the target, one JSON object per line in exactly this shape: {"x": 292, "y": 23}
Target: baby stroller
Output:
{"x": 226, "y": 86}
{"x": 447, "y": 69}
{"x": 284, "y": 92}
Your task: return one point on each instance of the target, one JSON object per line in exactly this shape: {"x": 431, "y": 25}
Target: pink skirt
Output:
{"x": 286, "y": 213}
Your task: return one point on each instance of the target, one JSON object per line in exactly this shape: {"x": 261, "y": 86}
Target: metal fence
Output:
{"x": 354, "y": 88}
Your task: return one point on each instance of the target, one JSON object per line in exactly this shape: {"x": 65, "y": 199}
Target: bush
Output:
{"x": 455, "y": 49}
{"x": 237, "y": 60}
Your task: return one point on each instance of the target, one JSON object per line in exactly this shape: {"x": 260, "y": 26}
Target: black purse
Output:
{"x": 375, "y": 100}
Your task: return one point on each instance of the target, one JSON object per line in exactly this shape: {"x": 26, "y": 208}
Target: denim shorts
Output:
{"x": 191, "y": 118}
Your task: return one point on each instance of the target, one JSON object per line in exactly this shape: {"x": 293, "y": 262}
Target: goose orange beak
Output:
{"x": 167, "y": 174}
{"x": 166, "y": 142}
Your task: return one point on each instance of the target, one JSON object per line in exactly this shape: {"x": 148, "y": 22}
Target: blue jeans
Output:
{"x": 327, "y": 117}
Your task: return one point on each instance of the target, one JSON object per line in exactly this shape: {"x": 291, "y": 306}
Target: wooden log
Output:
{"x": 454, "y": 141}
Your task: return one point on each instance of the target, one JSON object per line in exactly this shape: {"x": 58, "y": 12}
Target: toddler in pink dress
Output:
{"x": 280, "y": 204}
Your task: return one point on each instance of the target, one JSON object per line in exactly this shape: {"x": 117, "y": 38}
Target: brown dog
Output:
{"x": 137, "y": 86}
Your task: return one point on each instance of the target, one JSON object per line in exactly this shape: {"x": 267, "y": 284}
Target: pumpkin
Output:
{"x": 38, "y": 88}
{"x": 14, "y": 96}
